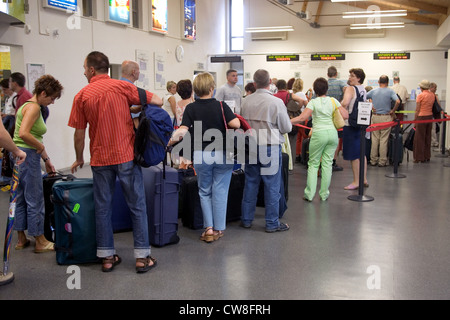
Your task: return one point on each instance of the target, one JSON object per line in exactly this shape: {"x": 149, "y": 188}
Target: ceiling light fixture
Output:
{"x": 374, "y": 14}
{"x": 385, "y": 25}
{"x": 269, "y": 29}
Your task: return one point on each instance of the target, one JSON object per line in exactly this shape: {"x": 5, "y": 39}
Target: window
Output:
{"x": 88, "y": 8}
{"x": 135, "y": 14}
{"x": 236, "y": 25}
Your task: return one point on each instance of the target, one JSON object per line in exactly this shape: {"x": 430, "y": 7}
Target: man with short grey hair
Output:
{"x": 268, "y": 118}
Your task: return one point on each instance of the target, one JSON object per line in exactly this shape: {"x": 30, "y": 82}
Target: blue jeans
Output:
{"x": 132, "y": 183}
{"x": 214, "y": 177}
{"x": 30, "y": 208}
{"x": 267, "y": 168}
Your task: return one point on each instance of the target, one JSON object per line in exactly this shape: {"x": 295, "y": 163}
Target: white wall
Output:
{"x": 427, "y": 59}
{"x": 63, "y": 55}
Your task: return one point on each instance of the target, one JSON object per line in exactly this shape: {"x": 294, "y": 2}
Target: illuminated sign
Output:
{"x": 69, "y": 5}
{"x": 327, "y": 56}
{"x": 392, "y": 56}
{"x": 189, "y": 20}
{"x": 118, "y": 11}
{"x": 292, "y": 57}
{"x": 159, "y": 16}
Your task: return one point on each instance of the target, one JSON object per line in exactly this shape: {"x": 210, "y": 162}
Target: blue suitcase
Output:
{"x": 161, "y": 192}
{"x": 75, "y": 229}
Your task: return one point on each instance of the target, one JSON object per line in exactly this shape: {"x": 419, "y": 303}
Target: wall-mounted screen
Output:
{"x": 189, "y": 20}
{"x": 68, "y": 5}
{"x": 159, "y": 16}
{"x": 118, "y": 11}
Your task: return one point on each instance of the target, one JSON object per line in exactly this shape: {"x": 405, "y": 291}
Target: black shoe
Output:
{"x": 281, "y": 227}
{"x": 335, "y": 167}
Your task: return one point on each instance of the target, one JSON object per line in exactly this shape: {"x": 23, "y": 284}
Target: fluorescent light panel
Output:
{"x": 269, "y": 29}
{"x": 374, "y": 14}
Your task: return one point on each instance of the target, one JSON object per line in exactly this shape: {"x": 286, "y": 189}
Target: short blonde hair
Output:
{"x": 203, "y": 83}
{"x": 170, "y": 84}
{"x": 298, "y": 85}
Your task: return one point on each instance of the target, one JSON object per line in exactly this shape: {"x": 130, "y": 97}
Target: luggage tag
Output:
{"x": 68, "y": 226}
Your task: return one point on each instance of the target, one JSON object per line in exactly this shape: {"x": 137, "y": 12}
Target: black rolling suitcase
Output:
{"x": 285, "y": 181}
{"x": 395, "y": 145}
{"x": 191, "y": 210}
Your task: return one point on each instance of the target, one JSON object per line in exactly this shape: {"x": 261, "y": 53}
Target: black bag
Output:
{"x": 436, "y": 109}
{"x": 305, "y": 151}
{"x": 409, "y": 142}
{"x": 353, "y": 116}
{"x": 393, "y": 145}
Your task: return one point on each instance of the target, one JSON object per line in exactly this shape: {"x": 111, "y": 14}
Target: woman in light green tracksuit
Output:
{"x": 324, "y": 139}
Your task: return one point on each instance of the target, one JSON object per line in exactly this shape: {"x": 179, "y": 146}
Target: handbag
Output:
{"x": 338, "y": 120}
{"x": 293, "y": 110}
{"x": 436, "y": 110}
{"x": 409, "y": 142}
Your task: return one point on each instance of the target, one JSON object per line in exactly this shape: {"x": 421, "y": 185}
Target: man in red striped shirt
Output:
{"x": 104, "y": 104}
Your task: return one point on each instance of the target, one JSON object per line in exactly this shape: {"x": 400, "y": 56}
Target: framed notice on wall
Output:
{"x": 118, "y": 11}
{"x": 34, "y": 72}
{"x": 159, "y": 16}
{"x": 189, "y": 22}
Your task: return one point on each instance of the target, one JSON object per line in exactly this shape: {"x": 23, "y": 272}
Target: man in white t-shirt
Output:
{"x": 230, "y": 92}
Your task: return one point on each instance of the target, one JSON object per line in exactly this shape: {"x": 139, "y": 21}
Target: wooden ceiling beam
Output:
{"x": 413, "y": 4}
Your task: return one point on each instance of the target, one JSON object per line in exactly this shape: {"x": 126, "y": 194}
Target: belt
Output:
{"x": 380, "y": 114}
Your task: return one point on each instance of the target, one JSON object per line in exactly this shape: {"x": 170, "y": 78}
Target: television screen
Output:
{"x": 119, "y": 11}
{"x": 67, "y": 5}
{"x": 159, "y": 16}
{"x": 190, "y": 27}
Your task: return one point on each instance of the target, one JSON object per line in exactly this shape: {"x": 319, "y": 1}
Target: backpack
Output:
{"x": 353, "y": 116}
{"x": 293, "y": 110}
{"x": 153, "y": 133}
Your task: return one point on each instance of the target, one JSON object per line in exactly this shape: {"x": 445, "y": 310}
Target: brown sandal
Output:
{"x": 113, "y": 261}
{"x": 147, "y": 266}
{"x": 207, "y": 237}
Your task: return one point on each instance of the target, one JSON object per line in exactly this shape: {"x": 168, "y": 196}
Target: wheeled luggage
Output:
{"x": 49, "y": 219}
{"x": 74, "y": 221}
{"x": 161, "y": 193}
{"x": 397, "y": 146}
{"x": 191, "y": 213}
{"x": 285, "y": 182}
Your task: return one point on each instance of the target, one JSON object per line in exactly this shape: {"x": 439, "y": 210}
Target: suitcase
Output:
{"x": 190, "y": 208}
{"x": 395, "y": 145}
{"x": 121, "y": 214}
{"x": 74, "y": 222}
{"x": 49, "y": 219}
{"x": 191, "y": 211}
{"x": 161, "y": 192}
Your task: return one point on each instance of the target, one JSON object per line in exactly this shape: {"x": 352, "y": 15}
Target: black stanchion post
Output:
{"x": 360, "y": 197}
{"x": 395, "y": 150}
{"x": 443, "y": 135}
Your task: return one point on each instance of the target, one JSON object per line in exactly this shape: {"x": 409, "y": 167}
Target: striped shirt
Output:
{"x": 104, "y": 104}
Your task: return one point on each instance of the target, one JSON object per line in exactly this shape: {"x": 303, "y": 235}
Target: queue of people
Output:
{"x": 103, "y": 105}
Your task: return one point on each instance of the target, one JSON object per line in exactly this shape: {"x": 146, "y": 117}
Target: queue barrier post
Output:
{"x": 443, "y": 135}
{"x": 395, "y": 150}
{"x": 360, "y": 197}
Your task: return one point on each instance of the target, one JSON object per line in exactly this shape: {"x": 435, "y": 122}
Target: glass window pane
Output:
{"x": 237, "y": 44}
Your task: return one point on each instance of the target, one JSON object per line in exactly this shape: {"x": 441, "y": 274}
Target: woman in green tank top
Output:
{"x": 28, "y": 136}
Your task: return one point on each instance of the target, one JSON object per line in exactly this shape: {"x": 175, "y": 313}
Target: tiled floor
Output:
{"x": 395, "y": 247}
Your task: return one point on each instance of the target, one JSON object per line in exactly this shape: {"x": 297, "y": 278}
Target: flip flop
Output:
{"x": 26, "y": 244}
{"x": 351, "y": 187}
{"x": 49, "y": 247}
